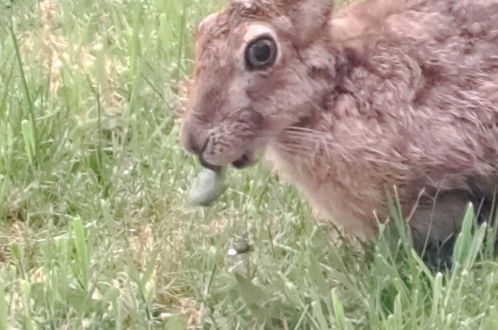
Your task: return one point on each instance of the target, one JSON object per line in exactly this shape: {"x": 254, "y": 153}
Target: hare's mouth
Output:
{"x": 247, "y": 159}
{"x": 244, "y": 161}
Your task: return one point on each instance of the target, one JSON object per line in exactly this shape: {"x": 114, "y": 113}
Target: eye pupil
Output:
{"x": 261, "y": 53}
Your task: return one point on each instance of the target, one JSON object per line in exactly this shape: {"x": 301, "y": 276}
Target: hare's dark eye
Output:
{"x": 261, "y": 53}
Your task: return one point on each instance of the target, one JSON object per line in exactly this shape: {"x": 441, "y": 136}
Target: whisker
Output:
{"x": 301, "y": 134}
{"x": 295, "y": 149}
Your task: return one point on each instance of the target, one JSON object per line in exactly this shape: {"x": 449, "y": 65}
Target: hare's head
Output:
{"x": 261, "y": 66}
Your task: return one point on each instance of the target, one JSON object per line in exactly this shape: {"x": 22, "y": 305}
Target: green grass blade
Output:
{"x": 81, "y": 248}
{"x": 3, "y": 307}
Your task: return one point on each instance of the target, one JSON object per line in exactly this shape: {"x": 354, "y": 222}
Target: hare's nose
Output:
{"x": 197, "y": 147}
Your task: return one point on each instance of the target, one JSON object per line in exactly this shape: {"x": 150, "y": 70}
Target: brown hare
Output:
{"x": 347, "y": 105}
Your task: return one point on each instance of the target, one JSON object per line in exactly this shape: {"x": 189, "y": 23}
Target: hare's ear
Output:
{"x": 308, "y": 17}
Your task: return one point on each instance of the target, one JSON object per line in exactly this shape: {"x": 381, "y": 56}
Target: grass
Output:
{"x": 94, "y": 232}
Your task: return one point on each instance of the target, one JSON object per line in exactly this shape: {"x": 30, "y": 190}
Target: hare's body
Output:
{"x": 385, "y": 93}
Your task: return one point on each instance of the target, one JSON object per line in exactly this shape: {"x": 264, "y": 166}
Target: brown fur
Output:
{"x": 383, "y": 93}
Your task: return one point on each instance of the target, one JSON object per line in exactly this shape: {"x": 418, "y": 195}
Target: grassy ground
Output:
{"x": 94, "y": 233}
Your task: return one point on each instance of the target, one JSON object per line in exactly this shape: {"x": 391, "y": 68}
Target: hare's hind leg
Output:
{"x": 437, "y": 221}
